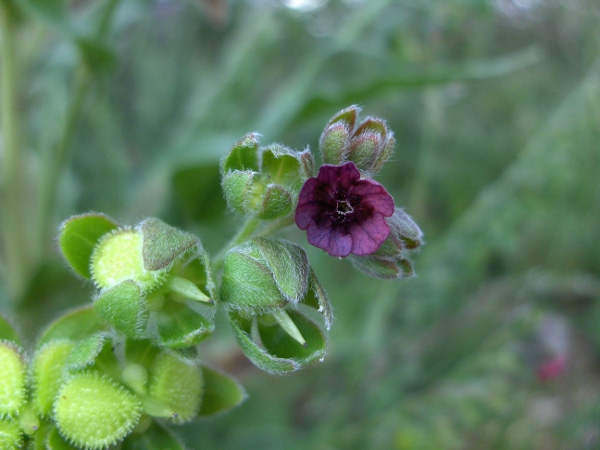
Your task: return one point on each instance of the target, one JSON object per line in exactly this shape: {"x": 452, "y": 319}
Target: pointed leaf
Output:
{"x": 78, "y": 237}
{"x": 221, "y": 392}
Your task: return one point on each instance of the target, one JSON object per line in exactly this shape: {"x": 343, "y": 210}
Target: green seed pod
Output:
{"x": 177, "y": 384}
{"x": 10, "y": 435}
{"x": 118, "y": 257}
{"x": 12, "y": 380}
{"x": 93, "y": 411}
{"x": 48, "y": 367}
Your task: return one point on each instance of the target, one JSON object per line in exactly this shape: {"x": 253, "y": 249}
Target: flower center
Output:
{"x": 343, "y": 207}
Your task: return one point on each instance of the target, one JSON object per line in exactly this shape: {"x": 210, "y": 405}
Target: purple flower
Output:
{"x": 343, "y": 213}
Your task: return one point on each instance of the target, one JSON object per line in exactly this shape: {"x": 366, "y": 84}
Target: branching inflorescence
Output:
{"x": 108, "y": 372}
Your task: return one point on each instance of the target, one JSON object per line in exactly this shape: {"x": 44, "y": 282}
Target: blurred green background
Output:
{"x": 127, "y": 107}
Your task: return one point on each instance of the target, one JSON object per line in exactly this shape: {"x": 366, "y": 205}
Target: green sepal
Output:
{"x": 78, "y": 237}
{"x": 276, "y": 202}
{"x": 8, "y": 332}
{"x": 264, "y": 273}
{"x": 242, "y": 327}
{"x": 154, "y": 437}
{"x": 280, "y": 353}
{"x": 164, "y": 244}
{"x": 10, "y": 435}
{"x": 283, "y": 166}
{"x": 317, "y": 298}
{"x": 123, "y": 307}
{"x": 385, "y": 268}
{"x": 49, "y": 364}
{"x": 75, "y": 325}
{"x": 180, "y": 325}
{"x": 199, "y": 272}
{"x": 243, "y": 155}
{"x": 86, "y": 351}
{"x": 281, "y": 345}
{"x": 237, "y": 186}
{"x": 288, "y": 263}
{"x": 13, "y": 378}
{"x": 248, "y": 283}
{"x": 221, "y": 392}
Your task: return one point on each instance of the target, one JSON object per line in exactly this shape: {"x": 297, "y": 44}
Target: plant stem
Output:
{"x": 244, "y": 233}
{"x": 57, "y": 160}
{"x": 17, "y": 259}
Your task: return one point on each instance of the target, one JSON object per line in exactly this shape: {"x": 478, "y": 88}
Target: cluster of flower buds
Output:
{"x": 264, "y": 182}
{"x": 368, "y": 144}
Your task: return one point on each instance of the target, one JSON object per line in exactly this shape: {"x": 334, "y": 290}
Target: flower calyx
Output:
{"x": 266, "y": 284}
{"x": 263, "y": 182}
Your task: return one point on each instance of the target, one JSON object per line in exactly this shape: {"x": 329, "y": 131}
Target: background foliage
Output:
{"x": 129, "y": 105}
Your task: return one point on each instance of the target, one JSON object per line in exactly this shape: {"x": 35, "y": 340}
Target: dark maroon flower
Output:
{"x": 343, "y": 213}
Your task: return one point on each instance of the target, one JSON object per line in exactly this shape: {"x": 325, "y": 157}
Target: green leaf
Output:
{"x": 281, "y": 345}
{"x": 221, "y": 392}
{"x": 123, "y": 308}
{"x": 74, "y": 325}
{"x": 8, "y": 332}
{"x": 153, "y": 438}
{"x": 163, "y": 244}
{"x": 179, "y": 326}
{"x": 79, "y": 235}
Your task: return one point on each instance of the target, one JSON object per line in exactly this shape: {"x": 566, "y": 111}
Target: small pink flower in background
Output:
{"x": 342, "y": 213}
{"x": 551, "y": 369}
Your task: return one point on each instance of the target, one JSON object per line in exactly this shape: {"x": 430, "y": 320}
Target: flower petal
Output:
{"x": 368, "y": 235}
{"x": 375, "y": 196}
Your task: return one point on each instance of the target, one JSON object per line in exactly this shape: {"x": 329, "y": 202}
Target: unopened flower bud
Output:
{"x": 263, "y": 274}
{"x": 390, "y": 259}
{"x": 13, "y": 375}
{"x": 336, "y": 136}
{"x": 371, "y": 145}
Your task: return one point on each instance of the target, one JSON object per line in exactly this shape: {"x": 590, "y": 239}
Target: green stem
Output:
{"x": 244, "y": 233}
{"x": 57, "y": 160}
{"x": 17, "y": 259}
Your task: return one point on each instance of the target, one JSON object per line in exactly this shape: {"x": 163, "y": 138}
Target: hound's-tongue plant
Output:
{"x": 117, "y": 371}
